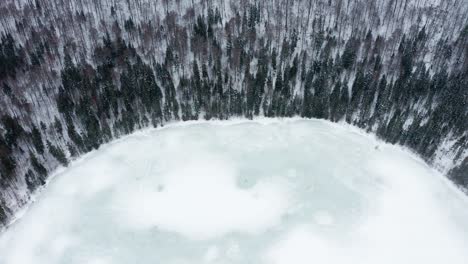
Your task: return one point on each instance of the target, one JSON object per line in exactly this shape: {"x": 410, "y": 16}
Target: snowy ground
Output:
{"x": 268, "y": 191}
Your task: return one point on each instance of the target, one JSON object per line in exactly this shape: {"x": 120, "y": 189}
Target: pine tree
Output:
{"x": 13, "y": 130}
{"x": 37, "y": 140}
{"x": 57, "y": 153}
{"x": 38, "y": 167}
{"x": 9, "y": 166}
{"x": 349, "y": 54}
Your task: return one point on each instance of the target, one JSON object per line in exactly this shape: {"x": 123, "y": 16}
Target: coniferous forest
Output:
{"x": 75, "y": 74}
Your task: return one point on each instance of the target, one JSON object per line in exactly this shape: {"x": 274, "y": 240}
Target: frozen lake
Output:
{"x": 266, "y": 191}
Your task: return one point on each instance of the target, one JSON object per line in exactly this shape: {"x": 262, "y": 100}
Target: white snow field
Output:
{"x": 265, "y": 191}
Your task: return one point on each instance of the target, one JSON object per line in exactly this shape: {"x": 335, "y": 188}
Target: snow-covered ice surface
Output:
{"x": 265, "y": 191}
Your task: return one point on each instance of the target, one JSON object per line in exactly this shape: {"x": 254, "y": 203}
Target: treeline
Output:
{"x": 216, "y": 66}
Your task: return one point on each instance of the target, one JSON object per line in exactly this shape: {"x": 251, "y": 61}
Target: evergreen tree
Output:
{"x": 9, "y": 166}
{"x": 349, "y": 54}
{"x": 37, "y": 140}
{"x": 38, "y": 167}
{"x": 57, "y": 153}
{"x": 13, "y": 130}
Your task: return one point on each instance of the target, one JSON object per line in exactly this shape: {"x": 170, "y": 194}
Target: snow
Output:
{"x": 266, "y": 191}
